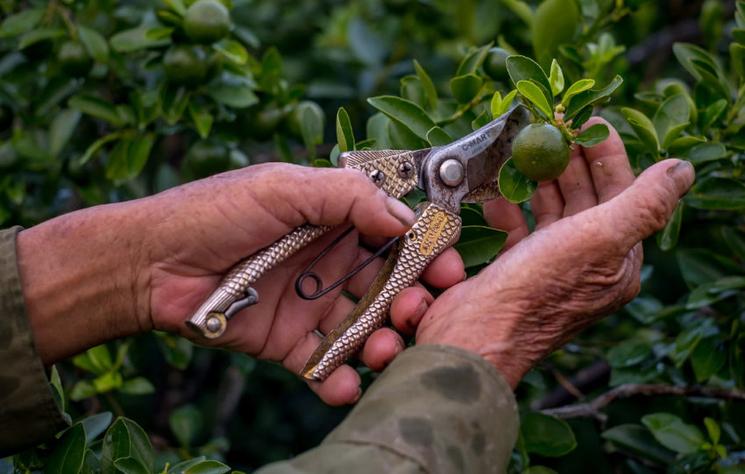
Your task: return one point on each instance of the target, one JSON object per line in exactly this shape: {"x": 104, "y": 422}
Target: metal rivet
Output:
{"x": 405, "y": 170}
{"x": 451, "y": 172}
{"x": 377, "y": 177}
{"x": 214, "y": 324}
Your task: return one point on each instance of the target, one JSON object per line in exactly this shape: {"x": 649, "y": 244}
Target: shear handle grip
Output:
{"x": 435, "y": 229}
{"x": 210, "y": 320}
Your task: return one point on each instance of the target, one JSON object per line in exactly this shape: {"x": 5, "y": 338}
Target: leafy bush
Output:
{"x": 104, "y": 101}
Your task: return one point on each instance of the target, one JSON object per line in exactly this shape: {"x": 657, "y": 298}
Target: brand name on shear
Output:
{"x": 436, "y": 227}
{"x": 472, "y": 143}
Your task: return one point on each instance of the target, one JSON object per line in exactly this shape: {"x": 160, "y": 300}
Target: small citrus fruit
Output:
{"x": 74, "y": 59}
{"x": 186, "y": 65}
{"x": 540, "y": 152}
{"x": 207, "y": 21}
{"x": 495, "y": 64}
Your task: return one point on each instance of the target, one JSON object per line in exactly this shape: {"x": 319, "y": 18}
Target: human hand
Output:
{"x": 581, "y": 263}
{"x": 114, "y": 270}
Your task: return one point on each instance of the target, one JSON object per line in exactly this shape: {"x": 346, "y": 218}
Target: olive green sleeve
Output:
{"x": 28, "y": 412}
{"x": 435, "y": 409}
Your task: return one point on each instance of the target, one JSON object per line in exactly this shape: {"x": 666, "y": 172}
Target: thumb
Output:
{"x": 645, "y": 207}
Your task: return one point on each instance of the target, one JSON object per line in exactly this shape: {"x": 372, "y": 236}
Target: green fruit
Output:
{"x": 495, "y": 64}
{"x": 540, "y": 152}
{"x": 206, "y": 158}
{"x": 186, "y": 65}
{"x": 264, "y": 122}
{"x": 74, "y": 59}
{"x": 207, "y": 21}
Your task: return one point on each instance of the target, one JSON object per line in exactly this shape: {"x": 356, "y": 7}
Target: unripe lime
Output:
{"x": 185, "y": 65}
{"x": 540, "y": 152}
{"x": 207, "y": 21}
{"x": 495, "y": 64}
{"x": 205, "y": 158}
{"x": 74, "y": 59}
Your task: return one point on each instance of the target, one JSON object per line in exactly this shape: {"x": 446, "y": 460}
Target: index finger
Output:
{"x": 608, "y": 163}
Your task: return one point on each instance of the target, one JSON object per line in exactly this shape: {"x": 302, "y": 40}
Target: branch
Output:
{"x": 585, "y": 380}
{"x": 592, "y": 409}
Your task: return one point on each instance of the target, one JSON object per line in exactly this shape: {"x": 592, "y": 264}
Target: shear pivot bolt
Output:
{"x": 214, "y": 324}
{"x": 377, "y": 177}
{"x": 451, "y": 172}
{"x": 405, "y": 170}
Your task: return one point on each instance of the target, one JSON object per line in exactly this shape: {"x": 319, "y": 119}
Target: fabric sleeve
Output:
{"x": 435, "y": 409}
{"x": 28, "y": 412}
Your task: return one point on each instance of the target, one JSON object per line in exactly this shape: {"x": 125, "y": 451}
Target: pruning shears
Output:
{"x": 463, "y": 171}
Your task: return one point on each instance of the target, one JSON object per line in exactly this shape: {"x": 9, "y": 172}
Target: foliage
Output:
{"x": 105, "y": 101}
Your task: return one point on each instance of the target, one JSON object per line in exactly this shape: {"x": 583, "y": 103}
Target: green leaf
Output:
{"x": 404, "y": 112}
{"x": 712, "y": 428}
{"x": 207, "y": 467}
{"x": 699, "y": 266}
{"x": 139, "y": 38}
{"x": 673, "y": 433}
{"x": 95, "y": 146}
{"x": 21, "y": 22}
{"x": 186, "y": 424}
{"x": 499, "y": 105}
{"x": 344, "y": 132}
{"x": 682, "y": 145}
{"x": 69, "y": 452}
{"x": 130, "y": 465}
{"x": 97, "y": 108}
{"x": 628, "y": 353}
{"x": 430, "y": 92}
{"x": 137, "y": 386}
{"x": 644, "y": 129}
{"x": 707, "y": 152}
{"x": 61, "y": 130}
{"x": 40, "y": 34}
{"x": 531, "y": 91}
{"x": 96, "y": 360}
{"x": 707, "y": 358}
{"x": 466, "y": 87}
{"x": 107, "y": 382}
{"x": 311, "y": 120}
{"x": 667, "y": 239}
{"x": 713, "y": 113}
{"x": 702, "y": 66}
{"x": 636, "y": 440}
{"x": 594, "y": 135}
{"x": 96, "y": 424}
{"x": 555, "y": 23}
{"x": 232, "y": 50}
{"x": 513, "y": 185}
{"x": 234, "y": 91}
{"x": 521, "y": 68}
{"x": 580, "y": 86}
{"x": 128, "y": 157}
{"x": 671, "y": 118}
{"x": 473, "y": 60}
{"x": 521, "y": 9}
{"x": 538, "y": 470}
{"x": 590, "y": 97}
{"x": 546, "y": 435}
{"x": 479, "y": 244}
{"x": 94, "y": 43}
{"x": 712, "y": 193}
{"x": 556, "y": 78}
{"x": 735, "y": 241}
{"x": 126, "y": 439}
{"x": 436, "y": 136}
{"x": 202, "y": 118}
{"x": 177, "y": 6}
{"x": 176, "y": 350}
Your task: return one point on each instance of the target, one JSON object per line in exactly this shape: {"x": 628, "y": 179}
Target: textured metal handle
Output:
{"x": 435, "y": 230}
{"x": 235, "y": 293}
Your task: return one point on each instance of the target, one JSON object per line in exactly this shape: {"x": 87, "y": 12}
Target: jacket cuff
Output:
{"x": 445, "y": 408}
{"x": 28, "y": 412}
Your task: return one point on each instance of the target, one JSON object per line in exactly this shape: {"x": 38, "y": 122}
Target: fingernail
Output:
{"x": 400, "y": 211}
{"x": 359, "y": 395}
{"x": 683, "y": 168}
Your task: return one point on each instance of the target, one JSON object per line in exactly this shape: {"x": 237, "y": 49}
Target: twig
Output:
{"x": 585, "y": 381}
{"x": 592, "y": 409}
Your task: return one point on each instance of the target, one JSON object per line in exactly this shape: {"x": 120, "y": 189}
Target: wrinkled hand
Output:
{"x": 581, "y": 263}
{"x": 202, "y": 229}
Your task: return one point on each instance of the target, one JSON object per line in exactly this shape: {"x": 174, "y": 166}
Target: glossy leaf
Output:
{"x": 638, "y": 441}
{"x": 126, "y": 439}
{"x": 97, "y": 108}
{"x": 707, "y": 152}
{"x": 207, "y": 467}
{"x": 344, "y": 132}
{"x": 466, "y": 87}
{"x": 545, "y": 435}
{"x": 712, "y": 193}
{"x": 521, "y": 68}
{"x": 591, "y": 97}
{"x": 556, "y": 78}
{"x": 667, "y": 239}
{"x": 580, "y": 86}
{"x": 20, "y": 22}
{"x": 670, "y": 431}
{"x": 479, "y": 244}
{"x": 671, "y": 119}
{"x": 202, "y": 119}
{"x": 69, "y": 451}
{"x": 436, "y": 136}
{"x": 472, "y": 61}
{"x": 128, "y": 157}
{"x": 592, "y": 136}
{"x": 643, "y": 127}
{"x": 63, "y": 126}
{"x": 513, "y": 185}
{"x": 96, "y": 424}
{"x": 708, "y": 357}
{"x": 532, "y": 92}
{"x": 139, "y": 38}
{"x": 94, "y": 43}
{"x": 137, "y": 386}
{"x": 186, "y": 424}
{"x": 232, "y": 50}
{"x": 500, "y": 105}
{"x": 233, "y": 91}
{"x": 405, "y": 112}
{"x": 430, "y": 92}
